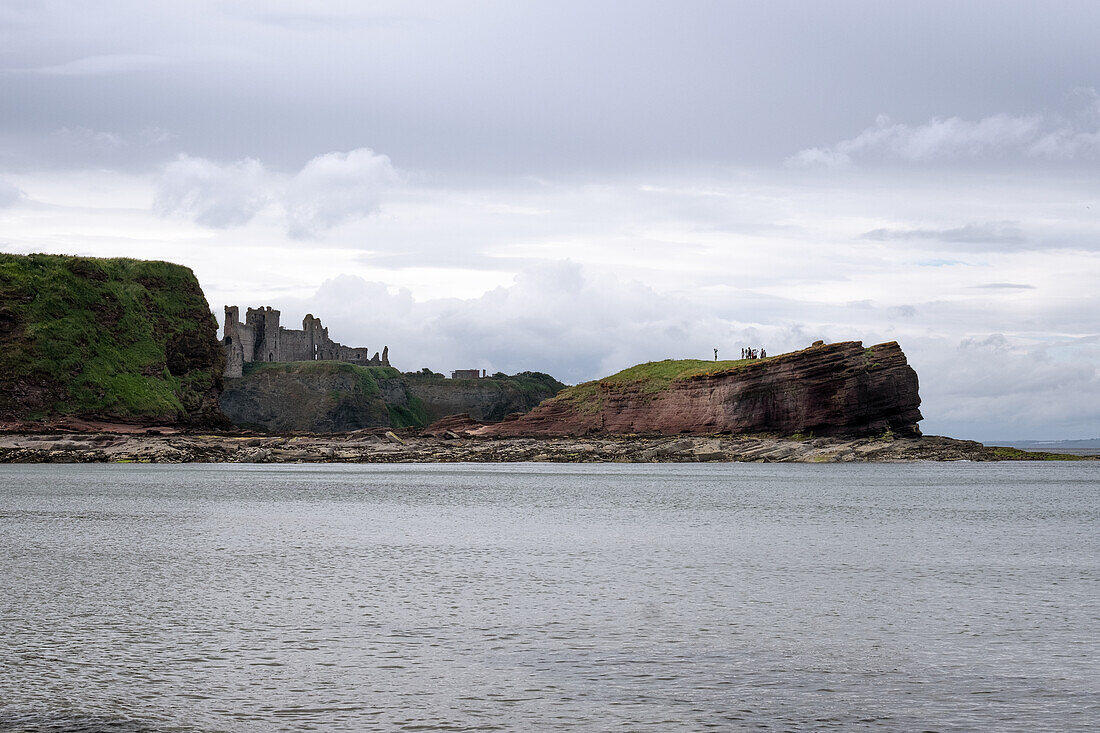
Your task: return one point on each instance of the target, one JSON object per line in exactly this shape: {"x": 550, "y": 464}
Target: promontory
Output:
{"x": 116, "y": 360}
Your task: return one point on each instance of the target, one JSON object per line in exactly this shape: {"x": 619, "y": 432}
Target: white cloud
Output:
{"x": 1042, "y": 136}
{"x": 950, "y": 138}
{"x": 213, "y": 195}
{"x": 557, "y": 317}
{"x": 574, "y": 323}
{"x": 330, "y": 190}
{"x": 650, "y": 267}
{"x": 335, "y": 188}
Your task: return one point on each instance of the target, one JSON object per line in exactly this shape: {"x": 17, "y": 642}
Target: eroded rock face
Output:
{"x": 487, "y": 400}
{"x": 316, "y": 401}
{"x": 827, "y": 389}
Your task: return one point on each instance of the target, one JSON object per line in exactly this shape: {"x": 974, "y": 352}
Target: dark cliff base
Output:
{"x": 489, "y": 399}
{"x": 383, "y": 446}
{"x": 335, "y": 397}
{"x": 318, "y": 397}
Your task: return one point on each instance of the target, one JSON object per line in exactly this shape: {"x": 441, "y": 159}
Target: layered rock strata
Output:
{"x": 840, "y": 389}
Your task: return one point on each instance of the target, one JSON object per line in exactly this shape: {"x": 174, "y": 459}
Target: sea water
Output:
{"x": 534, "y": 597}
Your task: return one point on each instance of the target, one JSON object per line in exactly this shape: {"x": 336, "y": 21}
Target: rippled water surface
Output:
{"x": 541, "y": 597}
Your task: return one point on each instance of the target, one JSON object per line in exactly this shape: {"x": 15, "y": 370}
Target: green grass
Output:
{"x": 1006, "y": 453}
{"x": 368, "y": 375}
{"x": 528, "y": 382}
{"x": 413, "y": 416}
{"x": 106, "y": 337}
{"x": 647, "y": 379}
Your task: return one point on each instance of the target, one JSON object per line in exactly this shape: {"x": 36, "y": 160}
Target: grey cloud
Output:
{"x": 990, "y": 233}
{"x": 100, "y": 65}
{"x": 87, "y": 136}
{"x": 996, "y": 387}
{"x": 507, "y": 88}
{"x": 1004, "y": 286}
{"x": 9, "y": 194}
{"x": 903, "y": 311}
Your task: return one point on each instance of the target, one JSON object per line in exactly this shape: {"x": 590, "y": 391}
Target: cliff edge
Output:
{"x": 319, "y": 397}
{"x": 488, "y": 399}
{"x": 113, "y": 340}
{"x": 840, "y": 389}
{"x": 327, "y": 396}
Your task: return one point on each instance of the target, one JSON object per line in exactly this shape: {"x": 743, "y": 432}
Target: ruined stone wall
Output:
{"x": 295, "y": 346}
{"x": 238, "y": 339}
{"x": 261, "y": 338}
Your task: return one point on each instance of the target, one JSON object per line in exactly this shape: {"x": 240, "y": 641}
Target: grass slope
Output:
{"x": 110, "y": 338}
{"x": 649, "y": 378}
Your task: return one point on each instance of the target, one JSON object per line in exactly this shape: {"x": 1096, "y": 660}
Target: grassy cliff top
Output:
{"x": 321, "y": 367}
{"x": 110, "y": 338}
{"x": 524, "y": 381}
{"x": 648, "y": 378}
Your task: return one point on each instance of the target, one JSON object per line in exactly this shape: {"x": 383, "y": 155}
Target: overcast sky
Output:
{"x": 574, "y": 187}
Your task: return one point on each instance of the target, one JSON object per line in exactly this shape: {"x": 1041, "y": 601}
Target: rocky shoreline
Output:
{"x": 374, "y": 446}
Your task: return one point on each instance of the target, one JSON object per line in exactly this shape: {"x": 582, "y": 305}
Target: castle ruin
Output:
{"x": 261, "y": 338}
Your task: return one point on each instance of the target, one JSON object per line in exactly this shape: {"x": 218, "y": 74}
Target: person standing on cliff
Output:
{"x": 716, "y": 354}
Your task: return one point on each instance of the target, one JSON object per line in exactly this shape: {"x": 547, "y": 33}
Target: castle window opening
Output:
{"x": 271, "y": 357}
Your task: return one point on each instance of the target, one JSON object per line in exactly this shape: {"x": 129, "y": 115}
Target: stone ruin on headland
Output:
{"x": 261, "y": 338}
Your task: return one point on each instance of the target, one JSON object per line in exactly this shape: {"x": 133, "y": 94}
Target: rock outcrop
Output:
{"x": 336, "y": 397}
{"x": 488, "y": 399}
{"x": 840, "y": 389}
{"x": 106, "y": 340}
{"x": 383, "y": 446}
{"x": 318, "y": 397}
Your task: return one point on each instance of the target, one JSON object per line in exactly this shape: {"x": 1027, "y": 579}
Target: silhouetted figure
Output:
{"x": 716, "y": 354}
{"x": 763, "y": 354}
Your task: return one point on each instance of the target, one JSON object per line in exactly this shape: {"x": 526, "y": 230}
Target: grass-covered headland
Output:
{"x": 647, "y": 379}
{"x": 113, "y": 339}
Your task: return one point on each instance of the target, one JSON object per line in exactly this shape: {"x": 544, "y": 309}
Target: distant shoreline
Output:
{"x": 376, "y": 446}
{"x": 1087, "y": 447}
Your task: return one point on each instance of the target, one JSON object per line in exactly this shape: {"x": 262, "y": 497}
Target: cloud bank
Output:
{"x": 330, "y": 190}
{"x": 1039, "y": 136}
{"x": 568, "y": 320}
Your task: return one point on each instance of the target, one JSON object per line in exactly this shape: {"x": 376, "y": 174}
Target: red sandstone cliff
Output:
{"x": 829, "y": 389}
